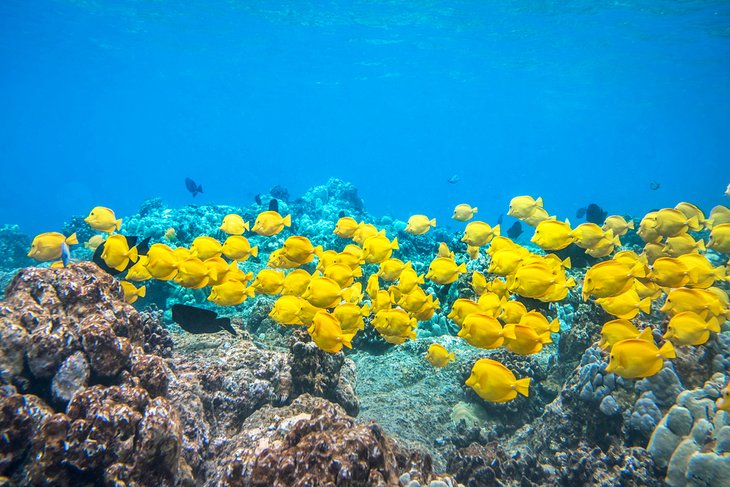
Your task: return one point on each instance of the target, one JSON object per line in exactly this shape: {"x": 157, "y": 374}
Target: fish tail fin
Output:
{"x": 545, "y": 338}
{"x": 693, "y": 223}
{"x": 142, "y": 291}
{"x": 713, "y": 325}
{"x": 701, "y": 245}
{"x": 522, "y": 386}
{"x": 213, "y": 273}
{"x": 249, "y": 291}
{"x": 638, "y": 270}
{"x": 133, "y": 254}
{"x": 394, "y": 244}
{"x": 570, "y": 282}
{"x": 646, "y": 335}
{"x": 365, "y": 310}
{"x": 247, "y": 226}
{"x": 419, "y": 279}
{"x": 645, "y": 305}
{"x": 539, "y": 202}
{"x": 461, "y": 268}
{"x": 118, "y": 224}
{"x": 318, "y": 250}
{"x": 566, "y": 263}
{"x": 72, "y": 239}
{"x": 347, "y": 339}
{"x": 255, "y": 251}
{"x": 408, "y": 265}
{"x": 667, "y": 351}
{"x": 509, "y": 332}
{"x": 475, "y": 209}
{"x": 287, "y": 221}
{"x": 630, "y": 224}
{"x": 432, "y": 222}
{"x": 555, "y": 326}
{"x": 357, "y": 272}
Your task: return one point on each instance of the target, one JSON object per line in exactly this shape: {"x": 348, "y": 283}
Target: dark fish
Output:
{"x": 193, "y": 187}
{"x": 454, "y": 179}
{"x": 654, "y": 185}
{"x": 197, "y": 320}
{"x": 499, "y": 220}
{"x": 595, "y": 214}
{"x": 515, "y": 231}
{"x": 142, "y": 249}
{"x": 581, "y": 212}
{"x": 258, "y": 199}
{"x": 65, "y": 254}
{"x": 341, "y": 214}
{"x": 274, "y": 205}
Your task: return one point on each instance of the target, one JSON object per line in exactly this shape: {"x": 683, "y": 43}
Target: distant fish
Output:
{"x": 593, "y": 213}
{"x": 274, "y": 205}
{"x": 515, "y": 231}
{"x": 342, "y": 214}
{"x": 193, "y": 187}
{"x": 142, "y": 249}
{"x": 654, "y": 185}
{"x": 257, "y": 198}
{"x": 65, "y": 254}
{"x": 454, "y": 179}
{"x": 197, "y": 320}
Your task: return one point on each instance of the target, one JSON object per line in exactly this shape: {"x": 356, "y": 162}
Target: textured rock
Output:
{"x": 70, "y": 377}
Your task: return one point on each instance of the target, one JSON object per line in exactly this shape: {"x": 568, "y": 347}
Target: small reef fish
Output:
{"x": 48, "y": 246}
{"x": 94, "y": 241}
{"x": 193, "y": 187}
{"x": 634, "y": 358}
{"x": 270, "y": 223}
{"x": 592, "y": 213}
{"x": 234, "y": 225}
{"x": 230, "y": 293}
{"x": 616, "y": 330}
{"x": 443, "y": 270}
{"x": 438, "y": 356}
{"x": 478, "y": 234}
{"x": 464, "y": 212}
{"x": 327, "y": 334}
{"x": 689, "y": 328}
{"x": 170, "y": 234}
{"x": 346, "y": 227}
{"x": 376, "y": 249}
{"x": 238, "y": 248}
{"x": 494, "y": 382}
{"x": 198, "y": 321}
{"x": 618, "y": 225}
{"x": 720, "y": 238}
{"x": 131, "y": 292}
{"x": 117, "y": 254}
{"x": 420, "y": 224}
{"x": 205, "y": 247}
{"x": 553, "y": 235}
{"x": 515, "y": 231}
{"x": 103, "y": 220}
{"x": 521, "y": 207}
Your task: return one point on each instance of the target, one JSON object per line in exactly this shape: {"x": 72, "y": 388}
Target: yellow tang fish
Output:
{"x": 512, "y": 312}
{"x": 438, "y": 356}
{"x": 689, "y": 328}
{"x": 534, "y": 280}
{"x": 49, "y": 246}
{"x": 117, "y": 253}
{"x": 464, "y": 212}
{"x": 377, "y": 248}
{"x": 268, "y": 281}
{"x": 230, "y": 293}
{"x": 626, "y": 305}
{"x": 444, "y": 271}
{"x": 345, "y": 227}
{"x": 719, "y": 215}
{"x": 701, "y": 301}
{"x": 523, "y": 339}
{"x": 420, "y": 224}
{"x": 236, "y": 274}
{"x": 353, "y": 294}
{"x": 325, "y": 258}
{"x": 443, "y": 251}
{"x": 296, "y": 282}
{"x": 461, "y": 308}
{"x": 702, "y": 274}
{"x": 604, "y": 248}
{"x": 588, "y": 235}
{"x": 478, "y": 234}
{"x": 391, "y": 269}
{"x": 234, "y": 225}
{"x": 691, "y": 210}
{"x": 428, "y": 309}
{"x": 616, "y": 330}
{"x": 204, "y": 247}
{"x": 373, "y": 286}
{"x": 478, "y": 283}
{"x": 415, "y": 300}
{"x": 682, "y": 244}
{"x": 652, "y": 251}
{"x": 342, "y": 274}
{"x": 270, "y": 223}
{"x": 308, "y": 312}
{"x": 482, "y": 331}
{"x": 494, "y": 382}
{"x": 505, "y": 262}
{"x": 669, "y": 272}
{"x": 522, "y": 206}
{"x": 491, "y": 303}
{"x": 502, "y": 243}
{"x": 220, "y": 269}
{"x": 610, "y": 278}
{"x": 618, "y": 225}
{"x": 94, "y": 242}
{"x": 103, "y": 219}
{"x": 192, "y": 273}
{"x": 720, "y": 238}
{"x": 363, "y": 231}
{"x": 131, "y": 293}
{"x": 553, "y": 235}
{"x": 408, "y": 280}
{"x": 138, "y": 272}
{"x": 286, "y": 310}
{"x": 671, "y": 222}
{"x": 634, "y": 358}
{"x": 279, "y": 260}
{"x": 382, "y": 301}
{"x": 538, "y": 322}
{"x": 538, "y": 216}
{"x": 350, "y": 316}
{"x": 162, "y": 262}
{"x": 300, "y": 249}
{"x": 170, "y": 234}
{"x": 472, "y": 252}
{"x": 323, "y": 292}
{"x": 395, "y": 324}
{"x": 327, "y": 334}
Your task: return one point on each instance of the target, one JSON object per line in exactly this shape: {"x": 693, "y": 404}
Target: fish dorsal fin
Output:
{"x": 646, "y": 335}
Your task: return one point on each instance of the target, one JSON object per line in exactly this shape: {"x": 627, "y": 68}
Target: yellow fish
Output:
{"x": 350, "y": 316}
{"x": 669, "y": 272}
{"x": 238, "y": 248}
{"x": 498, "y": 286}
{"x": 626, "y": 305}
{"x": 464, "y": 212}
{"x": 327, "y": 334}
{"x": 691, "y": 210}
{"x": 427, "y": 310}
{"x": 364, "y": 230}
{"x": 671, "y": 222}
{"x": 490, "y": 303}
{"x": 720, "y": 238}
{"x": 702, "y": 274}
{"x": 415, "y": 300}
{"x": 438, "y": 356}
{"x": 478, "y": 283}
{"x": 373, "y": 286}
{"x": 482, "y": 331}
{"x": 420, "y": 224}
{"x": 689, "y": 328}
{"x": 647, "y": 228}
{"x": 494, "y": 382}
{"x": 472, "y": 252}
{"x": 234, "y": 225}
{"x": 342, "y": 274}
{"x": 94, "y": 242}
{"x": 307, "y": 312}
{"x": 286, "y": 310}
{"x": 719, "y": 215}
{"x": 138, "y": 272}
{"x": 299, "y": 249}
{"x": 353, "y": 294}
{"x": 268, "y": 281}
{"x": 618, "y": 225}
{"x": 162, "y": 262}
{"x": 522, "y": 206}
{"x": 220, "y": 269}
{"x": 270, "y": 223}
{"x": 205, "y": 247}
{"x": 279, "y": 260}
{"x": 192, "y": 273}
{"x": 131, "y": 293}
{"x": 604, "y": 248}
{"x": 408, "y": 280}
{"x": 325, "y": 258}
{"x": 524, "y": 340}
{"x": 230, "y": 293}
{"x": 478, "y": 234}
{"x": 382, "y": 301}
{"x": 395, "y": 326}
{"x": 553, "y": 235}
{"x": 534, "y": 280}
{"x": 616, "y": 330}
{"x": 723, "y": 403}
{"x": 505, "y": 262}
{"x": 634, "y": 358}
{"x": 296, "y": 282}
{"x": 610, "y": 278}
{"x": 536, "y": 217}
{"x": 323, "y": 292}
{"x": 351, "y": 256}
{"x": 682, "y": 244}
{"x": 377, "y": 248}
{"x": 103, "y": 220}
{"x": 390, "y": 270}
{"x": 652, "y": 251}
{"x": 345, "y": 227}
{"x": 538, "y": 322}
{"x": 444, "y": 271}
{"x": 170, "y": 234}
{"x": 589, "y": 235}
{"x": 443, "y": 251}
{"x": 49, "y": 246}
{"x": 512, "y": 312}
{"x": 647, "y": 289}
{"x": 117, "y": 253}
{"x": 461, "y": 308}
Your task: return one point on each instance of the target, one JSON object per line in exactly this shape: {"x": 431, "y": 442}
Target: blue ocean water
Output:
{"x": 110, "y": 103}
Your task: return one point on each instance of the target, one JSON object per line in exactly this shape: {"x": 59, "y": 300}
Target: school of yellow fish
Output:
{"x": 333, "y": 305}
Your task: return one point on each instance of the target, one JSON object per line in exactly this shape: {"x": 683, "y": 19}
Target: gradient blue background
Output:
{"x": 112, "y": 102}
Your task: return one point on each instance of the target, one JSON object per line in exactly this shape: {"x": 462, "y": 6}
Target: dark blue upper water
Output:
{"x": 112, "y": 102}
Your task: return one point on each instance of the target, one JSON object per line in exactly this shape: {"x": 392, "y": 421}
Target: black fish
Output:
{"x": 580, "y": 213}
{"x": 142, "y": 249}
{"x": 341, "y": 214}
{"x": 258, "y": 199}
{"x": 274, "y": 205}
{"x": 654, "y": 185}
{"x": 197, "y": 320}
{"x": 515, "y": 231}
{"x": 193, "y": 187}
{"x": 595, "y": 214}
{"x": 454, "y": 179}
{"x": 499, "y": 220}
